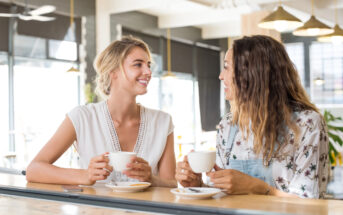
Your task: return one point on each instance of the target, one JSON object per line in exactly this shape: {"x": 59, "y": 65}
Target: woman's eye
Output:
{"x": 138, "y": 65}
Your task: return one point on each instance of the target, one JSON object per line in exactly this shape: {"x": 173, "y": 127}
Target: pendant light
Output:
{"x": 169, "y": 73}
{"x": 337, "y": 36}
{"x": 318, "y": 81}
{"x": 72, "y": 29}
{"x": 280, "y": 20}
{"x": 313, "y": 27}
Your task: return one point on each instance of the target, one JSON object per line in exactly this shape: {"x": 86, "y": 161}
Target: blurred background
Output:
{"x": 47, "y": 49}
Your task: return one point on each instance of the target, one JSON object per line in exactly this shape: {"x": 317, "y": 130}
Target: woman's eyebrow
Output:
{"x": 138, "y": 60}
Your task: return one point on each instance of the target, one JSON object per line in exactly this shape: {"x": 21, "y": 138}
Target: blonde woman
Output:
{"x": 115, "y": 124}
{"x": 274, "y": 141}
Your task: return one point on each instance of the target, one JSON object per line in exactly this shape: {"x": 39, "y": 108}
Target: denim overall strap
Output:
{"x": 253, "y": 167}
{"x": 231, "y": 139}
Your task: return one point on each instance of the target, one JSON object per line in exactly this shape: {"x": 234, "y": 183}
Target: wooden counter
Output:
{"x": 30, "y": 206}
{"x": 156, "y": 199}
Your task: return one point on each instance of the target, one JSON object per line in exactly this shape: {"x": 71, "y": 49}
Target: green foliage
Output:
{"x": 89, "y": 94}
{"x": 333, "y": 137}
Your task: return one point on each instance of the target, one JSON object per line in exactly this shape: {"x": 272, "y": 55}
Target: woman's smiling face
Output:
{"x": 137, "y": 73}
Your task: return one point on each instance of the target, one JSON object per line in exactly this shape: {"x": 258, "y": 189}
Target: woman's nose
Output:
{"x": 221, "y": 76}
{"x": 147, "y": 71}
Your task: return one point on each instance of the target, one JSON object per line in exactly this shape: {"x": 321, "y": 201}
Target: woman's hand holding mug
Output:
{"x": 185, "y": 175}
{"x": 98, "y": 169}
{"x": 139, "y": 169}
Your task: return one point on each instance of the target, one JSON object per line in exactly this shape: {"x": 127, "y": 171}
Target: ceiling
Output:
{"x": 221, "y": 18}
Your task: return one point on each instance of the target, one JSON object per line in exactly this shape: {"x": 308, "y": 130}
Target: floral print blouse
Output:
{"x": 300, "y": 169}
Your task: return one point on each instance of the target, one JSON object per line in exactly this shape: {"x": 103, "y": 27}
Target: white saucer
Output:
{"x": 128, "y": 186}
{"x": 204, "y": 192}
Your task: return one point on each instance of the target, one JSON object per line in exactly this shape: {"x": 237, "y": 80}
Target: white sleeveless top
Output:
{"x": 95, "y": 133}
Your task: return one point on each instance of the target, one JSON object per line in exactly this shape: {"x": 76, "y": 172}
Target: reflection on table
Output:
{"x": 30, "y": 206}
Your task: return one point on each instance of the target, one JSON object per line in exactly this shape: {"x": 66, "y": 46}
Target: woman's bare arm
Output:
{"x": 41, "y": 168}
{"x": 167, "y": 166}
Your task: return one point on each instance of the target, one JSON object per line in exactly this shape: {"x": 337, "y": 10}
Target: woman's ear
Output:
{"x": 114, "y": 74}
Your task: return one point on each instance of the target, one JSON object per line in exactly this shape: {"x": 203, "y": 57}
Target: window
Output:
{"x": 63, "y": 50}
{"x": 27, "y": 46}
{"x": 326, "y": 65}
{"x": 296, "y": 54}
{"x": 4, "y": 127}
{"x": 44, "y": 93}
{"x": 177, "y": 101}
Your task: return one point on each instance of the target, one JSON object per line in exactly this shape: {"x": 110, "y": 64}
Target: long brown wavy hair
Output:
{"x": 267, "y": 90}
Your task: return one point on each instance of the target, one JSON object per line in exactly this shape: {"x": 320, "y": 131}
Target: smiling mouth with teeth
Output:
{"x": 144, "y": 82}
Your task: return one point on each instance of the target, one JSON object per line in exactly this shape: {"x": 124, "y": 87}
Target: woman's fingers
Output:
{"x": 220, "y": 173}
{"x": 136, "y": 173}
{"x": 183, "y": 165}
{"x": 190, "y": 174}
{"x": 99, "y": 172}
{"x": 109, "y": 168}
{"x": 138, "y": 160}
{"x": 100, "y": 158}
{"x": 138, "y": 166}
{"x": 138, "y": 169}
{"x": 181, "y": 177}
{"x": 99, "y": 165}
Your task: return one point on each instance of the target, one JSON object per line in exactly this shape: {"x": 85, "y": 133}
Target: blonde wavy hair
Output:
{"x": 267, "y": 90}
{"x": 111, "y": 59}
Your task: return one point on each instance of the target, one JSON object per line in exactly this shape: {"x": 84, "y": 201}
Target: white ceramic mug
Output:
{"x": 202, "y": 161}
{"x": 119, "y": 160}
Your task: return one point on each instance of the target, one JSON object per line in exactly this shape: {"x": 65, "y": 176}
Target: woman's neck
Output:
{"x": 122, "y": 107}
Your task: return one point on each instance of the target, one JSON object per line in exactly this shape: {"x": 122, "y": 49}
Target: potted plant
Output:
{"x": 334, "y": 137}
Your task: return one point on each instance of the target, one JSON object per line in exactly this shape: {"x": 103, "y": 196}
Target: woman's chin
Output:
{"x": 228, "y": 98}
{"x": 142, "y": 92}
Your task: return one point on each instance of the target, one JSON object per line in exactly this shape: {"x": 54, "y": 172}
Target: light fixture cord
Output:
{"x": 168, "y": 51}
{"x": 336, "y": 17}
{"x": 280, "y": 3}
{"x": 71, "y": 12}
{"x": 312, "y": 10}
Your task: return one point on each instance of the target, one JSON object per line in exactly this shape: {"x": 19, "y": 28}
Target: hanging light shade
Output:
{"x": 318, "y": 81}
{"x": 337, "y": 36}
{"x": 280, "y": 20}
{"x": 73, "y": 69}
{"x": 169, "y": 73}
{"x": 313, "y": 27}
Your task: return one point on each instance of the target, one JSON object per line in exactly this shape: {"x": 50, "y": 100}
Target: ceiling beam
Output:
{"x": 222, "y": 30}
{"x": 198, "y": 18}
{"x": 120, "y": 6}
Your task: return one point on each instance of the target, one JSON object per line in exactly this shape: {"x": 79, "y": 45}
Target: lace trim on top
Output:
{"x": 114, "y": 137}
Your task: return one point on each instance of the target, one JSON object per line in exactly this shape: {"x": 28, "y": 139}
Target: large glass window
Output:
{"x": 44, "y": 93}
{"x": 4, "y": 142}
{"x": 326, "y": 70}
{"x": 63, "y": 50}
{"x": 27, "y": 46}
{"x": 178, "y": 102}
{"x": 296, "y": 53}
